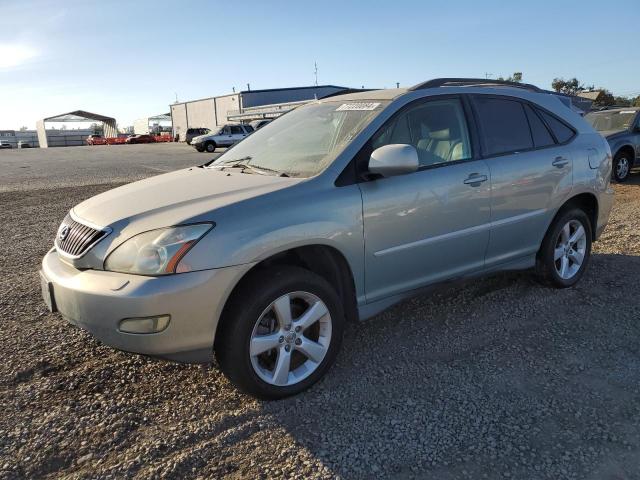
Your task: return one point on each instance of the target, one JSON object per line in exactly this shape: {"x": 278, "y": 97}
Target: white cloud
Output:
{"x": 14, "y": 55}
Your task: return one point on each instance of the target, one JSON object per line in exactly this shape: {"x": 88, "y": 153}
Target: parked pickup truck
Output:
{"x": 224, "y": 136}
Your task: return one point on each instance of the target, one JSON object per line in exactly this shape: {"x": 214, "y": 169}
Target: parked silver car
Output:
{"x": 329, "y": 214}
{"x": 621, "y": 128}
{"x": 224, "y": 136}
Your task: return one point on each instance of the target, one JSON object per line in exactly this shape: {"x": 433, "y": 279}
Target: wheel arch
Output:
{"x": 626, "y": 148}
{"x": 587, "y": 202}
{"x": 322, "y": 259}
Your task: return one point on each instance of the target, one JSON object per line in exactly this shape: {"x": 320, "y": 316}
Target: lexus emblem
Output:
{"x": 63, "y": 232}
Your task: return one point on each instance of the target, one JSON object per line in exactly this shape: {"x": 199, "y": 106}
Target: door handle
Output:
{"x": 560, "y": 162}
{"x": 475, "y": 179}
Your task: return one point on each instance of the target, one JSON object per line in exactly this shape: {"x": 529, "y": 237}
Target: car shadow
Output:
{"x": 494, "y": 376}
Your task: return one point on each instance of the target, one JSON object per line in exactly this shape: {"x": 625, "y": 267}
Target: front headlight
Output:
{"x": 156, "y": 252}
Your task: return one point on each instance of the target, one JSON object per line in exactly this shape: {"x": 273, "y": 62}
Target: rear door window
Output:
{"x": 503, "y": 124}
{"x": 561, "y": 131}
{"x": 540, "y": 133}
{"x": 235, "y": 130}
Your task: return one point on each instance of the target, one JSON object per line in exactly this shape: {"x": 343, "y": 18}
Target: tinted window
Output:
{"x": 236, "y": 130}
{"x": 562, "y": 132}
{"x": 540, "y": 133}
{"x": 436, "y": 128}
{"x": 248, "y": 128}
{"x": 504, "y": 125}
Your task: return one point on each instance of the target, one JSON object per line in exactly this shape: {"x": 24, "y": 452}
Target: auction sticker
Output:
{"x": 345, "y": 107}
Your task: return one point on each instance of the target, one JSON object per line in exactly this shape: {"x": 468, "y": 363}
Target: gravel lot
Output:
{"x": 500, "y": 378}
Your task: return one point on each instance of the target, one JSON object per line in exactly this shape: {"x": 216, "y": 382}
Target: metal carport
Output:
{"x": 109, "y": 123}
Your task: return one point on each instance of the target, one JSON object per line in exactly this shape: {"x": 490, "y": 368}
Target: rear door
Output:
{"x": 531, "y": 172}
{"x": 432, "y": 224}
{"x": 237, "y": 132}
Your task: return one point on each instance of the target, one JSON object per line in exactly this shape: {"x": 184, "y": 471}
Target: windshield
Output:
{"x": 305, "y": 141}
{"x": 611, "y": 121}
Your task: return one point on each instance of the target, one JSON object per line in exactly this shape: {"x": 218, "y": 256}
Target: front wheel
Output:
{"x": 210, "y": 147}
{"x": 621, "y": 167}
{"x": 281, "y": 332}
{"x": 566, "y": 249}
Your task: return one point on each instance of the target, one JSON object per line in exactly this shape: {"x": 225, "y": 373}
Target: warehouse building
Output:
{"x": 243, "y": 106}
{"x": 156, "y": 124}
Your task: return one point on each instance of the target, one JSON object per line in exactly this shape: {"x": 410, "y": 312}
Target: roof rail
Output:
{"x": 472, "y": 82}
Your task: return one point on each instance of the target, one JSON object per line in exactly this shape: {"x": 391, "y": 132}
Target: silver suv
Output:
{"x": 332, "y": 213}
{"x": 224, "y": 136}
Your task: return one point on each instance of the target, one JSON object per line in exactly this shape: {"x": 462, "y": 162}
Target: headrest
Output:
{"x": 440, "y": 134}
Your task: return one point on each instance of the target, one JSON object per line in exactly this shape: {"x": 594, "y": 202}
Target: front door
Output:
{"x": 432, "y": 224}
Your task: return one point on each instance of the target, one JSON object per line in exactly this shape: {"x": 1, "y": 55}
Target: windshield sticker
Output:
{"x": 345, "y": 107}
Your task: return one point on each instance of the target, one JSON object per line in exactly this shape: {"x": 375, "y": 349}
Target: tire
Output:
{"x": 251, "y": 313}
{"x": 557, "y": 256}
{"x": 200, "y": 149}
{"x": 621, "y": 167}
{"x": 210, "y": 147}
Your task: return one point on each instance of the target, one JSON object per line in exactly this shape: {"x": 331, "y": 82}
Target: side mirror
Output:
{"x": 394, "y": 159}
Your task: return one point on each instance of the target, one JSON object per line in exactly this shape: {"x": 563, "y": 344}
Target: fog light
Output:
{"x": 145, "y": 325}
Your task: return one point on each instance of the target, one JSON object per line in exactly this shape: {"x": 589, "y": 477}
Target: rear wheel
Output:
{"x": 566, "y": 249}
{"x": 621, "y": 166}
{"x": 210, "y": 147}
{"x": 281, "y": 332}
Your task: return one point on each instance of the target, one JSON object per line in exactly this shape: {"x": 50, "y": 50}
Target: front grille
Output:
{"x": 74, "y": 238}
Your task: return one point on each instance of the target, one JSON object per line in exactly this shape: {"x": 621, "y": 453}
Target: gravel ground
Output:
{"x": 499, "y": 378}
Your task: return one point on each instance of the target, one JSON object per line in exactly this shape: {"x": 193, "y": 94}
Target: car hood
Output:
{"x": 174, "y": 198}
{"x": 611, "y": 133}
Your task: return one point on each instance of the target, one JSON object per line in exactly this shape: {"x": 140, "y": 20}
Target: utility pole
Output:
{"x": 315, "y": 71}
{"x": 488, "y": 75}
{"x": 397, "y": 84}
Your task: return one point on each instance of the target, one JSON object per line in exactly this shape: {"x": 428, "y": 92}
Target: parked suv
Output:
{"x": 195, "y": 132}
{"x": 621, "y": 128}
{"x": 224, "y": 136}
{"x": 336, "y": 211}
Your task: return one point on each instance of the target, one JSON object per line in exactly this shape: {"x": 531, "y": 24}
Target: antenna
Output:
{"x": 315, "y": 71}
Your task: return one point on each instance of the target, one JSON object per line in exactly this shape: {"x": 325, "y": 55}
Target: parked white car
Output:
{"x": 224, "y": 136}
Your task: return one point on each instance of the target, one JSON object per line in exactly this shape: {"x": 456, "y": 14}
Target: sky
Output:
{"x": 130, "y": 59}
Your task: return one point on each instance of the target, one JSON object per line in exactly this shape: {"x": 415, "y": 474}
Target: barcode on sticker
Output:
{"x": 357, "y": 107}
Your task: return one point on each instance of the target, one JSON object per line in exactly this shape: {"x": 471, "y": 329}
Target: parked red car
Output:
{"x": 140, "y": 139}
{"x": 96, "y": 140}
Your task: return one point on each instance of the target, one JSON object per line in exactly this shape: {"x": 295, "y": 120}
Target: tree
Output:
{"x": 636, "y": 102}
{"x": 516, "y": 77}
{"x": 570, "y": 87}
{"x": 622, "y": 101}
{"x": 605, "y": 99}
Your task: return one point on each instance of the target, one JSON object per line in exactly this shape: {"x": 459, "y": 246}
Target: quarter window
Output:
{"x": 539, "y": 132}
{"x": 437, "y": 129}
{"x": 504, "y": 125}
{"x": 562, "y": 132}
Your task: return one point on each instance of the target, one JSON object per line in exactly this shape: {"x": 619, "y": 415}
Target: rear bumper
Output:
{"x": 97, "y": 301}
{"x": 605, "y": 204}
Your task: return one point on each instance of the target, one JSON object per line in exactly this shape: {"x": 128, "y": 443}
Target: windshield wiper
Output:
{"x": 244, "y": 164}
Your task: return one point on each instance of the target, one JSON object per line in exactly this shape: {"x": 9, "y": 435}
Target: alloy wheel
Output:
{"x": 570, "y": 249}
{"x": 290, "y": 338}
{"x": 622, "y": 167}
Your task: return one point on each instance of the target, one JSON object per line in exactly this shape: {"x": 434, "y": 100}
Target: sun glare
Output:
{"x": 15, "y": 55}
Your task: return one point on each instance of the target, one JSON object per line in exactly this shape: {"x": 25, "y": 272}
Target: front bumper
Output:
{"x": 97, "y": 301}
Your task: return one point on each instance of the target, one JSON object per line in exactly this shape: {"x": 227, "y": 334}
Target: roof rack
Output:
{"x": 472, "y": 82}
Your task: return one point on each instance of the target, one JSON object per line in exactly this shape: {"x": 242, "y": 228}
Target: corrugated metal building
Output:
{"x": 216, "y": 111}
